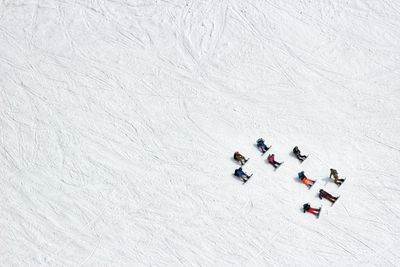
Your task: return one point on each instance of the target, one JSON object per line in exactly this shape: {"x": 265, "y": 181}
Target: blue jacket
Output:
{"x": 239, "y": 172}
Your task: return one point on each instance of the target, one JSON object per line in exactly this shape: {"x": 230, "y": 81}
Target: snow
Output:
{"x": 119, "y": 120}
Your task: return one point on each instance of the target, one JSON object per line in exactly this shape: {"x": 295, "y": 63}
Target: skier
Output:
{"x": 271, "y": 160}
{"x": 241, "y": 174}
{"x": 338, "y": 181}
{"x": 327, "y": 196}
{"x": 307, "y": 208}
{"x": 308, "y": 182}
{"x": 239, "y": 157}
{"x": 297, "y": 153}
{"x": 262, "y": 146}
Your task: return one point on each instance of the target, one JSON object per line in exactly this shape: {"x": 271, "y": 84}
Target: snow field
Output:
{"x": 118, "y": 121}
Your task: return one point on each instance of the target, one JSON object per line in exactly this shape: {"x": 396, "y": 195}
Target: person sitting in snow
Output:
{"x": 240, "y": 158}
{"x": 241, "y": 174}
{"x": 271, "y": 160}
{"x": 335, "y": 175}
{"x": 262, "y": 146}
{"x": 297, "y": 153}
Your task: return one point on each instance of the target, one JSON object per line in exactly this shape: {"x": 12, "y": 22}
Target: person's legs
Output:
{"x": 338, "y": 181}
{"x": 313, "y": 211}
{"x": 307, "y": 181}
{"x": 330, "y": 198}
{"x": 333, "y": 199}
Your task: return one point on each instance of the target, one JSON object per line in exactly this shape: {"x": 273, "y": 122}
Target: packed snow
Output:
{"x": 119, "y": 120}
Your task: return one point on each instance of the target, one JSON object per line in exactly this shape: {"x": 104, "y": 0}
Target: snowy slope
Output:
{"x": 118, "y": 121}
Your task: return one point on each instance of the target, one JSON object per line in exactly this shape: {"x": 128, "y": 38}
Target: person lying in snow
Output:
{"x": 308, "y": 182}
{"x": 308, "y": 208}
{"x": 327, "y": 196}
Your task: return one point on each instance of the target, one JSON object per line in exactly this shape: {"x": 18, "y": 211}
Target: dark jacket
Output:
{"x": 306, "y": 207}
{"x": 260, "y": 143}
{"x": 323, "y": 194}
{"x": 301, "y": 175}
{"x": 239, "y": 172}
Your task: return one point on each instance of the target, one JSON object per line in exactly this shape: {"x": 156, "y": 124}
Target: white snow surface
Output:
{"x": 119, "y": 119}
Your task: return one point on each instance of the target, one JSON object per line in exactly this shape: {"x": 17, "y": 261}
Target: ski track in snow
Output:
{"x": 119, "y": 120}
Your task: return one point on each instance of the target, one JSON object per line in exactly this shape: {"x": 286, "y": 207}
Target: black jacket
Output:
{"x": 306, "y": 207}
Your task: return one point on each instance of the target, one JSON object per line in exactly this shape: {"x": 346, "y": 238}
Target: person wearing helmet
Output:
{"x": 240, "y": 158}
{"x": 335, "y": 175}
{"x": 297, "y": 153}
{"x": 262, "y": 146}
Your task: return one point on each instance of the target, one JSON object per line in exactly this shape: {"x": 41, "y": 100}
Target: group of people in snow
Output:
{"x": 322, "y": 193}
{"x": 263, "y": 148}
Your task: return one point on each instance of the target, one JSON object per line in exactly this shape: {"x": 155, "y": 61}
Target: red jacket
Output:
{"x": 271, "y": 158}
